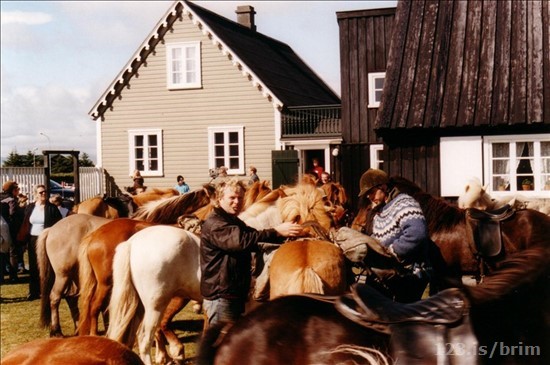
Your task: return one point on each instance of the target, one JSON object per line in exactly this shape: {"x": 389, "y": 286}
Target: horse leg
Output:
{"x": 55, "y": 298}
{"x": 72, "y": 302}
{"x": 177, "y": 350}
{"x": 100, "y": 301}
{"x": 147, "y": 329}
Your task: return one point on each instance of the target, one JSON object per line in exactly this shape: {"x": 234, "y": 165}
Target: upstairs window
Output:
{"x": 183, "y": 65}
{"x": 226, "y": 148}
{"x": 146, "y": 151}
{"x": 519, "y": 163}
{"x": 376, "y": 86}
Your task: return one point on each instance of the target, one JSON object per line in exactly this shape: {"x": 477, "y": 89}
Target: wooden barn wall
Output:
{"x": 418, "y": 162}
{"x": 364, "y": 45}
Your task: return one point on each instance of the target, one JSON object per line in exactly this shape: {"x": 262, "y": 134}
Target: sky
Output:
{"x": 59, "y": 57}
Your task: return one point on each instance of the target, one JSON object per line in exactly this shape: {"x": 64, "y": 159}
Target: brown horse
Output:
{"x": 123, "y": 205}
{"x": 86, "y": 350}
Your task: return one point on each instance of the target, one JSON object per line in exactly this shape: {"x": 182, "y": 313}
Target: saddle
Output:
{"x": 432, "y": 330}
{"x": 486, "y": 228}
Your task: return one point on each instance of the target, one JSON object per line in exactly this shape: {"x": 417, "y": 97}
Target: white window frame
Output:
{"x": 372, "y": 77}
{"x": 537, "y": 162}
{"x": 147, "y": 171}
{"x": 375, "y": 162}
{"x": 182, "y": 66}
{"x": 239, "y": 129}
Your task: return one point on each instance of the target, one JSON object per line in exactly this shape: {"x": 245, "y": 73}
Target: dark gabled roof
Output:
{"x": 274, "y": 62}
{"x": 468, "y": 64}
{"x": 270, "y": 65}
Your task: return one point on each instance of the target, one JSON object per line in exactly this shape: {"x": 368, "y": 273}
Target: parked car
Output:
{"x": 57, "y": 188}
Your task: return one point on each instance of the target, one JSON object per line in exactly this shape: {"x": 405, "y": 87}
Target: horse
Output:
{"x": 57, "y": 256}
{"x": 171, "y": 269}
{"x": 123, "y": 205}
{"x": 302, "y": 330}
{"x": 86, "y": 350}
{"x": 476, "y": 196}
{"x": 176, "y": 255}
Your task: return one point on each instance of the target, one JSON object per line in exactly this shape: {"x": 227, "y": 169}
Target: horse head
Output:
{"x": 475, "y": 196}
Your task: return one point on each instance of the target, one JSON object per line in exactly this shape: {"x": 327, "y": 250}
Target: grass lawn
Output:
{"x": 20, "y": 320}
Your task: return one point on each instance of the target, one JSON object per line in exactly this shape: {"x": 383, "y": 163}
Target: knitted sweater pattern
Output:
{"x": 401, "y": 225}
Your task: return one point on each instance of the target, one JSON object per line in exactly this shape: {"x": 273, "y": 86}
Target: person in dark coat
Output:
{"x": 38, "y": 216}
{"x": 226, "y": 250}
{"x": 13, "y": 215}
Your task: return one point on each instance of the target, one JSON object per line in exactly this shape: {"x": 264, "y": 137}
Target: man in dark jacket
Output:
{"x": 13, "y": 215}
{"x": 226, "y": 247}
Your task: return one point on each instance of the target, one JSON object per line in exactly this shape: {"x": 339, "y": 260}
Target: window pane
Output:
{"x": 218, "y": 138}
{"x": 190, "y": 52}
{"x": 378, "y": 95}
{"x": 545, "y": 149}
{"x": 501, "y": 150}
{"x": 153, "y": 153}
{"x": 379, "y": 83}
{"x": 233, "y": 137}
{"x": 218, "y": 151}
{"x": 233, "y": 150}
{"x": 153, "y": 165}
{"x": 138, "y": 140}
{"x": 524, "y": 149}
{"x": 501, "y": 167}
{"x": 139, "y": 152}
{"x": 500, "y": 183}
{"x": 220, "y": 162}
{"x": 233, "y": 163}
{"x": 546, "y": 166}
{"x": 139, "y": 165}
{"x": 153, "y": 140}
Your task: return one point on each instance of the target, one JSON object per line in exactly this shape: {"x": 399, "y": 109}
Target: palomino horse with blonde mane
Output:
{"x": 173, "y": 270}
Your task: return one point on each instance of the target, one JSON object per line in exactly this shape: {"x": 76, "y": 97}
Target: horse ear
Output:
{"x": 467, "y": 188}
{"x": 485, "y": 187}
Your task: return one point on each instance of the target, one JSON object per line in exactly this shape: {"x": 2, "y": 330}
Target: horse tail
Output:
{"x": 125, "y": 308}
{"x": 88, "y": 285}
{"x": 520, "y": 270}
{"x": 305, "y": 280}
{"x": 47, "y": 278}
{"x": 209, "y": 344}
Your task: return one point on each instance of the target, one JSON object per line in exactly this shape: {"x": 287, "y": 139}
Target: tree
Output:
{"x": 59, "y": 163}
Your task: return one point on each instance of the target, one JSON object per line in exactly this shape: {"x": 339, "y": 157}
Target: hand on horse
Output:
{"x": 289, "y": 229}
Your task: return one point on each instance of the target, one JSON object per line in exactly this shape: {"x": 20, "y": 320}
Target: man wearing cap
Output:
{"x": 398, "y": 223}
{"x": 13, "y": 214}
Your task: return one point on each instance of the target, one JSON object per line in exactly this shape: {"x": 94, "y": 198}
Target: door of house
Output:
{"x": 284, "y": 167}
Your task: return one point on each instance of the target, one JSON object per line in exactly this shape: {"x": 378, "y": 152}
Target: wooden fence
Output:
{"x": 92, "y": 180}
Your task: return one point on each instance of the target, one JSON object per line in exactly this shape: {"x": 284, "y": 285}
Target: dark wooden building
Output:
{"x": 466, "y": 94}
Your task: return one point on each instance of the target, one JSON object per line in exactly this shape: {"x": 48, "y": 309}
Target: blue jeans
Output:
{"x": 223, "y": 310}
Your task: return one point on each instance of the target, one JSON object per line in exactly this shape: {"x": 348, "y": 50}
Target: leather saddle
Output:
{"x": 486, "y": 229}
{"x": 430, "y": 331}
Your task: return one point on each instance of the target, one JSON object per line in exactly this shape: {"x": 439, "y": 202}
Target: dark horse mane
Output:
{"x": 440, "y": 215}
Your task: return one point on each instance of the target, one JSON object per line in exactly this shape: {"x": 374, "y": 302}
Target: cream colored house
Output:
{"x": 202, "y": 92}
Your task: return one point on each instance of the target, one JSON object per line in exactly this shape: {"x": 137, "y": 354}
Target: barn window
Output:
{"x": 226, "y": 148}
{"x": 518, "y": 163}
{"x": 183, "y": 65}
{"x": 145, "y": 151}
{"x": 376, "y": 86}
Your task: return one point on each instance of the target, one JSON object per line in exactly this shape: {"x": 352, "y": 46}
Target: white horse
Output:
{"x": 476, "y": 196}
{"x": 145, "y": 279}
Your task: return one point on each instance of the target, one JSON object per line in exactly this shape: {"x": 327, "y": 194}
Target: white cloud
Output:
{"x": 25, "y": 17}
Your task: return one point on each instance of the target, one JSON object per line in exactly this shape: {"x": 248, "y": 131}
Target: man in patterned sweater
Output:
{"x": 398, "y": 225}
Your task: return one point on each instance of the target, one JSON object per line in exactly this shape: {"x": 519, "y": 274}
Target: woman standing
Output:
{"x": 38, "y": 216}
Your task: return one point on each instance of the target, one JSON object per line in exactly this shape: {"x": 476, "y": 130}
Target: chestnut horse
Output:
{"x": 122, "y": 206}
{"x": 86, "y": 350}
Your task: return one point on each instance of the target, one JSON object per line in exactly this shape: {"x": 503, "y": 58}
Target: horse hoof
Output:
{"x": 57, "y": 334}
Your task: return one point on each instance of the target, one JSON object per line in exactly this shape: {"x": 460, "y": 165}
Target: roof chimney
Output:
{"x": 245, "y": 16}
